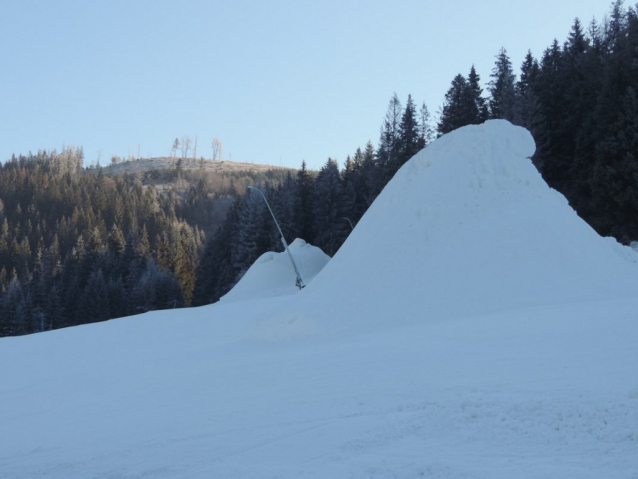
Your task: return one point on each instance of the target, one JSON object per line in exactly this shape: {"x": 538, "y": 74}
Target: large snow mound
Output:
{"x": 272, "y": 274}
{"x": 466, "y": 226}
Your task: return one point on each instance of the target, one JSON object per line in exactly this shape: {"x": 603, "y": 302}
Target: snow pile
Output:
{"x": 468, "y": 226}
{"x": 273, "y": 275}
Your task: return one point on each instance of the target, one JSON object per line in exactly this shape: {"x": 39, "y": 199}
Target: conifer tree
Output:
{"x": 329, "y": 224}
{"x": 453, "y": 113}
{"x": 409, "y": 143}
{"x": 303, "y": 206}
{"x": 477, "y": 105}
{"x": 527, "y": 102}
{"x": 502, "y": 89}
{"x": 389, "y": 142}
{"x": 426, "y": 133}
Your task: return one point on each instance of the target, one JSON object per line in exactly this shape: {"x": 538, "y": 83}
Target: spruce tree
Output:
{"x": 329, "y": 224}
{"x": 409, "y": 143}
{"x": 527, "y": 102}
{"x": 453, "y": 113}
{"x": 477, "y": 104}
{"x": 502, "y": 89}
{"x": 389, "y": 142}
{"x": 303, "y": 205}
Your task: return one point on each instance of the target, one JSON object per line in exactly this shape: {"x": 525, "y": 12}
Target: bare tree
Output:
{"x": 217, "y": 149}
{"x": 186, "y": 146}
{"x": 195, "y": 148}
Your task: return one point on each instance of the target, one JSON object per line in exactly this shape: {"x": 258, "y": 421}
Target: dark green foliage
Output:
{"x": 464, "y": 104}
{"x": 79, "y": 246}
{"x": 502, "y": 89}
{"x": 410, "y": 141}
{"x": 303, "y": 215}
{"x": 526, "y": 97}
{"x": 584, "y": 121}
{"x": 330, "y": 226}
{"x": 477, "y": 105}
{"x": 453, "y": 114}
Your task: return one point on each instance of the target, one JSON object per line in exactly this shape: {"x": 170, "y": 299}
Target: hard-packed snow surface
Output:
{"x": 471, "y": 327}
{"x": 273, "y": 275}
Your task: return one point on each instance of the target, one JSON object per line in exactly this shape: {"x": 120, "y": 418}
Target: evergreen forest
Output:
{"x": 79, "y": 246}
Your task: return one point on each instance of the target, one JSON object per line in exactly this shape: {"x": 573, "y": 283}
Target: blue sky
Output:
{"x": 276, "y": 81}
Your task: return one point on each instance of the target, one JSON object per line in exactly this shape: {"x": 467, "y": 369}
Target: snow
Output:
{"x": 273, "y": 275}
{"x": 472, "y": 326}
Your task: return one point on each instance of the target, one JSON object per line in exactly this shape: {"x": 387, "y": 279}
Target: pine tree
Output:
{"x": 329, "y": 224}
{"x": 144, "y": 247}
{"x": 186, "y": 263}
{"x": 304, "y": 218}
{"x": 548, "y": 93}
{"x": 502, "y": 89}
{"x": 527, "y": 101}
{"x": 453, "y": 113}
{"x": 116, "y": 241}
{"x": 389, "y": 141}
{"x": 93, "y": 304}
{"x": 409, "y": 143}
{"x": 477, "y": 105}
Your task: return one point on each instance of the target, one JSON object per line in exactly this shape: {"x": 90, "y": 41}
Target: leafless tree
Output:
{"x": 218, "y": 152}
{"x": 186, "y": 146}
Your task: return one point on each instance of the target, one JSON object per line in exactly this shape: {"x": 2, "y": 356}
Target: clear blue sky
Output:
{"x": 276, "y": 81}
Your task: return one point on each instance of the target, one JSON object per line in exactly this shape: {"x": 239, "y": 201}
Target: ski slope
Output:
{"x": 472, "y": 326}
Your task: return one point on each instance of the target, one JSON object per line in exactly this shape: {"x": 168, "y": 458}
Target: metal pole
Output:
{"x": 299, "y": 282}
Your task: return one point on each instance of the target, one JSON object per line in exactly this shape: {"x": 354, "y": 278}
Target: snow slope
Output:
{"x": 477, "y": 346}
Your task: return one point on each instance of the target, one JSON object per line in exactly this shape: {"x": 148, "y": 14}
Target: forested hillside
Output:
{"x": 80, "y": 246}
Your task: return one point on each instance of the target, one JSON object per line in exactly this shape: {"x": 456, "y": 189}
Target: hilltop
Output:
{"x": 142, "y": 165}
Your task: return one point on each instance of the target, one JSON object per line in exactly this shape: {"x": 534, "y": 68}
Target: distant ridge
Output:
{"x": 167, "y": 162}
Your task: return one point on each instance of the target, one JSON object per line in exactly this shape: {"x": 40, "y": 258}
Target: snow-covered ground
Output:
{"x": 472, "y": 326}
